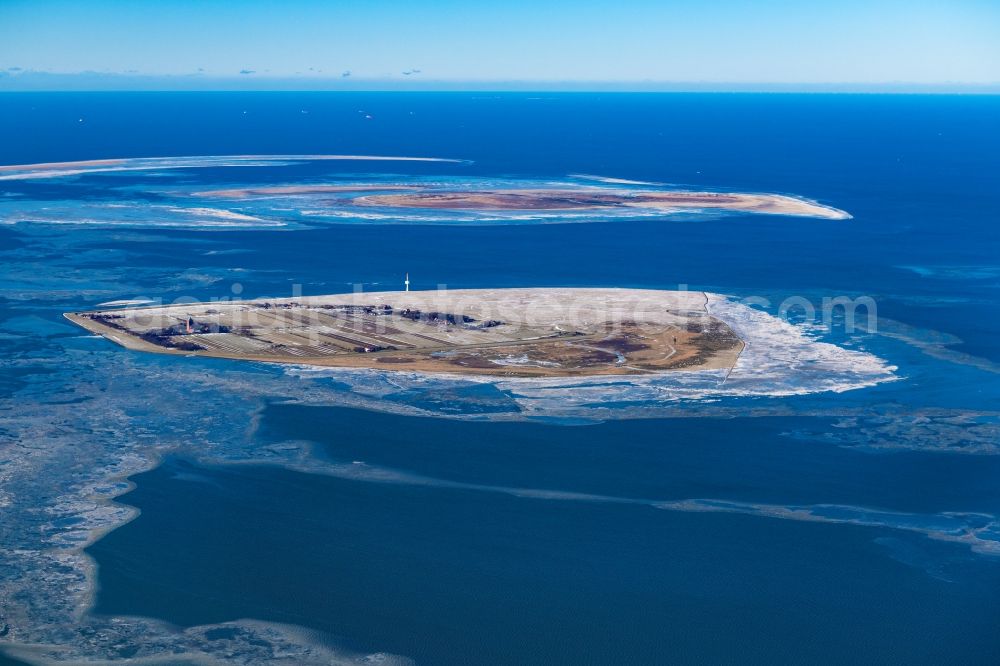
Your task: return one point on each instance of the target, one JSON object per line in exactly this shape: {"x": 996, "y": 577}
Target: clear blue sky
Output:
{"x": 736, "y": 41}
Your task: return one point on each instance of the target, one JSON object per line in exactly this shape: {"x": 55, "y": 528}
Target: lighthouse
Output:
{"x": 407, "y": 282}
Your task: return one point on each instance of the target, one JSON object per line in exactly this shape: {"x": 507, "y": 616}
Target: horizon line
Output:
{"x": 517, "y": 87}
{"x": 38, "y": 81}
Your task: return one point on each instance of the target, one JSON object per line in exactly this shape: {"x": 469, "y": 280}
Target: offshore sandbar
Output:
{"x": 60, "y": 169}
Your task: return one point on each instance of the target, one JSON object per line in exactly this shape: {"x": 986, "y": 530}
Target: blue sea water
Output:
{"x": 831, "y": 527}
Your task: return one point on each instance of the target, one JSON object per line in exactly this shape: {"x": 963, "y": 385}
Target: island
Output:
{"x": 328, "y": 195}
{"x": 603, "y": 198}
{"x": 399, "y": 197}
{"x": 539, "y": 332}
